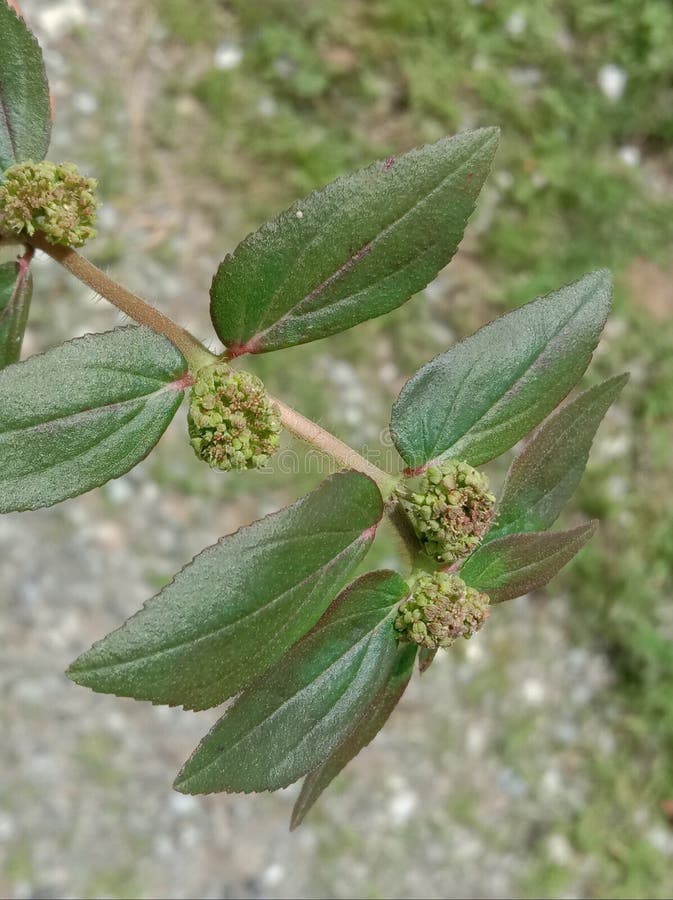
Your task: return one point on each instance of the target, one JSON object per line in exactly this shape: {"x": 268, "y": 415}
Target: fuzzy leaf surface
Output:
{"x": 479, "y": 398}
{"x": 241, "y": 604}
{"x": 363, "y": 732}
{"x": 297, "y": 713}
{"x": 16, "y": 289}
{"x": 546, "y": 472}
{"x": 356, "y": 249}
{"x": 83, "y": 413}
{"x": 518, "y": 563}
{"x": 25, "y": 118}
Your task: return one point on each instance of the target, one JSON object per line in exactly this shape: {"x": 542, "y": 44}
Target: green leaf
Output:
{"x": 363, "y": 732}
{"x": 25, "y": 118}
{"x": 83, "y": 413}
{"x": 240, "y": 604}
{"x": 425, "y": 659}
{"x": 354, "y": 250}
{"x": 519, "y": 563}
{"x": 480, "y": 397}
{"x": 297, "y": 713}
{"x": 16, "y": 289}
{"x": 549, "y": 468}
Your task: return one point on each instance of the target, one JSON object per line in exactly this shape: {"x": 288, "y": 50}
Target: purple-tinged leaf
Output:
{"x": 484, "y": 394}
{"x": 83, "y": 413}
{"x": 546, "y": 472}
{"x": 16, "y": 288}
{"x": 292, "y": 718}
{"x": 362, "y": 733}
{"x": 240, "y": 604}
{"x": 519, "y": 563}
{"x": 25, "y": 118}
{"x": 425, "y": 659}
{"x": 356, "y": 249}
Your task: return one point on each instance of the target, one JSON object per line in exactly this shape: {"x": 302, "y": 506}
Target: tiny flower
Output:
{"x": 53, "y": 200}
{"x": 441, "y": 609}
{"x": 232, "y": 423}
{"x": 451, "y": 510}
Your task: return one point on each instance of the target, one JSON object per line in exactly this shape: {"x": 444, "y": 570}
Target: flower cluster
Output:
{"x": 451, "y": 510}
{"x": 54, "y": 200}
{"x": 441, "y": 609}
{"x": 232, "y": 422}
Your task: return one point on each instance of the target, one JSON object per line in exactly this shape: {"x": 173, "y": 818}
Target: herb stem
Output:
{"x": 313, "y": 434}
{"x": 197, "y": 356}
{"x": 129, "y": 303}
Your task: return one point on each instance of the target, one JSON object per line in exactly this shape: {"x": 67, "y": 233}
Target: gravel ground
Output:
{"x": 475, "y": 775}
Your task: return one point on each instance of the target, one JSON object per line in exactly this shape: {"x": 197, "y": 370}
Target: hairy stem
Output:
{"x": 313, "y": 434}
{"x": 197, "y": 355}
{"x": 126, "y": 301}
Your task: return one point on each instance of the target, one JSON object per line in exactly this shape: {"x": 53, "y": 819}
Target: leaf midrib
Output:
{"x": 223, "y": 628}
{"x": 520, "y": 375}
{"x": 366, "y": 639}
{"x": 372, "y": 243}
{"x": 71, "y": 419}
{"x": 522, "y": 569}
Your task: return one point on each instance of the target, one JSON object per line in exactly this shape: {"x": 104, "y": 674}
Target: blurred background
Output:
{"x": 535, "y": 760}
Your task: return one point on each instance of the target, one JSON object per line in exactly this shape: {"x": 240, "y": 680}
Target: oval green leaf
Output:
{"x": 362, "y": 733}
{"x": 484, "y": 394}
{"x": 83, "y": 413}
{"x": 290, "y": 720}
{"x": 16, "y": 289}
{"x": 546, "y": 472}
{"x": 356, "y": 249}
{"x": 25, "y": 117}
{"x": 519, "y": 563}
{"x": 240, "y": 604}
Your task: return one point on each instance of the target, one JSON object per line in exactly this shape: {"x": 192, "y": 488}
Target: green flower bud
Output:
{"x": 54, "y": 200}
{"x": 441, "y": 609}
{"x": 451, "y": 511}
{"x": 232, "y": 423}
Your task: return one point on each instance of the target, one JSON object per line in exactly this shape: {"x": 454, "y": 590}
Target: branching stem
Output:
{"x": 197, "y": 356}
{"x": 129, "y": 303}
{"x": 313, "y": 434}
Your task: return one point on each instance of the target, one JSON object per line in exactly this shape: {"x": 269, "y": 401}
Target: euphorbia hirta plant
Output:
{"x": 271, "y": 615}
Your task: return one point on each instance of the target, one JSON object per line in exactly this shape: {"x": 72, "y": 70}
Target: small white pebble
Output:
{"x": 85, "y": 103}
{"x": 267, "y": 107}
{"x": 629, "y": 155}
{"x": 661, "y": 839}
{"x": 227, "y": 56}
{"x": 119, "y": 491}
{"x": 7, "y": 828}
{"x": 552, "y": 783}
{"x": 273, "y": 876}
{"x": 559, "y": 849}
{"x": 476, "y": 739}
{"x": 525, "y": 76}
{"x": 184, "y": 804}
{"x": 612, "y": 81}
{"x": 533, "y": 691}
{"x": 504, "y": 180}
{"x": 60, "y": 18}
{"x": 474, "y": 651}
{"x": 516, "y": 23}
{"x": 402, "y": 806}
{"x": 617, "y": 487}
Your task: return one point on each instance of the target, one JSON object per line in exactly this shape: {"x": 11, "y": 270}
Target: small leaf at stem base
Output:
{"x": 519, "y": 563}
